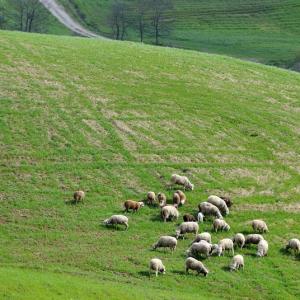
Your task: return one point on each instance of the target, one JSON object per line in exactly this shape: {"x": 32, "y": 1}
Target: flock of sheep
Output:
{"x": 202, "y": 246}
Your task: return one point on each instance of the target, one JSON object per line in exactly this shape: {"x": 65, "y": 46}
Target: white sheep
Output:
{"x": 156, "y": 265}
{"x": 208, "y": 209}
{"x": 262, "y": 248}
{"x": 237, "y": 263}
{"x": 187, "y": 227}
{"x": 225, "y": 244}
{"x": 219, "y": 224}
{"x": 204, "y": 236}
{"x": 182, "y": 180}
{"x": 195, "y": 265}
{"x": 219, "y": 203}
{"x": 259, "y": 226}
{"x": 253, "y": 239}
{"x": 166, "y": 242}
{"x": 294, "y": 245}
{"x": 117, "y": 219}
{"x": 169, "y": 212}
{"x": 239, "y": 240}
{"x": 79, "y": 196}
{"x": 199, "y": 249}
{"x": 151, "y": 198}
{"x": 162, "y": 199}
{"x": 200, "y": 217}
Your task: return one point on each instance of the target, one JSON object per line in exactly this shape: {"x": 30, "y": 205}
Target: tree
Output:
{"x": 160, "y": 22}
{"x": 141, "y": 14}
{"x": 2, "y": 17}
{"x": 118, "y": 19}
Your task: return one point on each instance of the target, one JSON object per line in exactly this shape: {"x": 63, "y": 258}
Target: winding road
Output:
{"x": 59, "y": 12}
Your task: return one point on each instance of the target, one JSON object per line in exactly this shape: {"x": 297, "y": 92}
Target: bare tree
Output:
{"x": 2, "y": 17}
{"x": 141, "y": 13}
{"x": 118, "y": 19}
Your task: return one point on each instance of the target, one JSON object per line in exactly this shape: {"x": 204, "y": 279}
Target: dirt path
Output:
{"x": 59, "y": 12}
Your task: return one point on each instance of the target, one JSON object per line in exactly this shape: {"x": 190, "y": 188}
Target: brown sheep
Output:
{"x": 176, "y": 199}
{"x": 227, "y": 200}
{"x": 162, "y": 199}
{"x": 135, "y": 206}
{"x": 182, "y": 196}
{"x": 78, "y": 196}
{"x": 189, "y": 218}
{"x": 151, "y": 198}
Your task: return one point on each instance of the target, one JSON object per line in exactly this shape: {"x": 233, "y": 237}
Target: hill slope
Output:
{"x": 116, "y": 119}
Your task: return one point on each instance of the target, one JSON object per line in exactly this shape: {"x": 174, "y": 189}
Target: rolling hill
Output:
{"x": 116, "y": 119}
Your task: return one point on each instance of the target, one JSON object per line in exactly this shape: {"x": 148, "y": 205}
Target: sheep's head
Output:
{"x": 205, "y": 272}
{"x": 105, "y": 222}
{"x": 141, "y": 204}
{"x": 200, "y": 217}
{"x": 227, "y": 227}
{"x": 162, "y": 270}
{"x": 190, "y": 186}
{"x": 177, "y": 234}
{"x": 216, "y": 249}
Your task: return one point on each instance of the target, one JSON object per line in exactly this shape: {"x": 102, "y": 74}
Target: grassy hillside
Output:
{"x": 266, "y": 31}
{"x": 116, "y": 119}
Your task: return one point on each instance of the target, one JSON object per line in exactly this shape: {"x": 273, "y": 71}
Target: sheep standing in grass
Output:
{"x": 195, "y": 265}
{"x": 227, "y": 200}
{"x": 219, "y": 203}
{"x": 176, "y": 199}
{"x": 259, "y": 226}
{"x": 166, "y": 242}
{"x": 189, "y": 218}
{"x": 200, "y": 217}
{"x": 182, "y": 197}
{"x": 117, "y": 219}
{"x": 204, "y": 236}
{"x": 224, "y": 245}
{"x": 262, "y": 248}
{"x": 135, "y": 206}
{"x": 162, "y": 199}
{"x": 294, "y": 245}
{"x": 208, "y": 209}
{"x": 187, "y": 227}
{"x": 253, "y": 239}
{"x": 156, "y": 265}
{"x": 237, "y": 263}
{"x": 203, "y": 248}
{"x": 169, "y": 212}
{"x": 239, "y": 240}
{"x": 182, "y": 180}
{"x": 151, "y": 198}
{"x": 79, "y": 196}
{"x": 219, "y": 224}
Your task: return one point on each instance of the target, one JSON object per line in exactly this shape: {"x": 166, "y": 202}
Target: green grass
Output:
{"x": 265, "y": 31}
{"x": 116, "y": 119}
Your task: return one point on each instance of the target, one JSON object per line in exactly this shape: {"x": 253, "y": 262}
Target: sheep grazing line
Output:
{"x": 157, "y": 266}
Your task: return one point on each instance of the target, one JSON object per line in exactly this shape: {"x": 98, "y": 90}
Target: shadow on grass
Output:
{"x": 72, "y": 202}
{"x": 226, "y": 268}
{"x": 179, "y": 272}
{"x": 144, "y": 273}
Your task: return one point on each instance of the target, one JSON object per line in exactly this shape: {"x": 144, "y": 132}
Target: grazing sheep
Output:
{"x": 151, "y": 198}
{"x": 166, "y": 242}
{"x": 189, "y": 218}
{"x": 225, "y": 244}
{"x": 239, "y": 240}
{"x": 204, "y": 236}
{"x": 182, "y": 180}
{"x": 253, "y": 239}
{"x": 227, "y": 200}
{"x": 294, "y": 245}
{"x": 219, "y": 203}
{"x": 198, "y": 249}
{"x": 169, "y": 212}
{"x": 156, "y": 265}
{"x": 182, "y": 196}
{"x": 237, "y": 263}
{"x": 187, "y": 227}
{"x": 79, "y": 196}
{"x": 259, "y": 226}
{"x": 200, "y": 217}
{"x": 195, "y": 265}
{"x": 208, "y": 209}
{"x": 219, "y": 224}
{"x": 176, "y": 199}
{"x": 162, "y": 199}
{"x": 135, "y": 206}
{"x": 262, "y": 248}
{"x": 117, "y": 219}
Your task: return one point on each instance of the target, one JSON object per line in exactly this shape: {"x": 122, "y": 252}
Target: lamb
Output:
{"x": 219, "y": 224}
{"x": 156, "y": 265}
{"x": 253, "y": 239}
{"x": 239, "y": 240}
{"x": 162, "y": 199}
{"x": 176, "y": 199}
{"x": 219, "y": 203}
{"x": 187, "y": 227}
{"x": 166, "y": 242}
{"x": 208, "y": 209}
{"x": 182, "y": 196}
{"x": 237, "y": 263}
{"x": 204, "y": 236}
{"x": 117, "y": 219}
{"x": 262, "y": 248}
{"x": 189, "y": 218}
{"x": 196, "y": 265}
{"x": 199, "y": 249}
{"x": 225, "y": 244}
{"x": 135, "y": 206}
{"x": 227, "y": 200}
{"x": 259, "y": 226}
{"x": 151, "y": 198}
{"x": 169, "y": 212}
{"x": 200, "y": 217}
{"x": 182, "y": 180}
{"x": 79, "y": 196}
{"x": 294, "y": 245}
